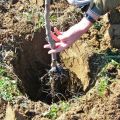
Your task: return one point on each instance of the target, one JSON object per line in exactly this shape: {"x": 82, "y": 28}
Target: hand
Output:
{"x": 63, "y": 41}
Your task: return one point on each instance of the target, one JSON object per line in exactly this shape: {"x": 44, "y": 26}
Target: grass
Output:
{"x": 105, "y": 77}
{"x": 52, "y": 114}
{"x": 97, "y": 25}
{"x": 8, "y": 86}
{"x": 39, "y": 23}
{"x": 36, "y": 16}
{"x": 103, "y": 85}
{"x": 55, "y": 109}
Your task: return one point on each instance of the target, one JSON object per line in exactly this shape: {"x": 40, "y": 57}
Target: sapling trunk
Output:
{"x": 56, "y": 78}
{"x": 48, "y": 30}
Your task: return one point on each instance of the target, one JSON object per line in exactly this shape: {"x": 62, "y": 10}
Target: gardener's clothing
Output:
{"x": 97, "y": 7}
{"x": 100, "y": 7}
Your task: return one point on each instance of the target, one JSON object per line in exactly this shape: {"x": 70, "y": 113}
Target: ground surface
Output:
{"x": 92, "y": 63}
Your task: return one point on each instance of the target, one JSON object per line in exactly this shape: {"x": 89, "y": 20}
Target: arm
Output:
{"x": 67, "y": 38}
{"x": 96, "y": 9}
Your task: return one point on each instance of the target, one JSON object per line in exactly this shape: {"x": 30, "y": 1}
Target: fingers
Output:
{"x": 57, "y": 31}
{"x": 60, "y": 44}
{"x": 60, "y": 47}
{"x": 48, "y": 45}
{"x": 52, "y": 50}
{"x": 54, "y": 37}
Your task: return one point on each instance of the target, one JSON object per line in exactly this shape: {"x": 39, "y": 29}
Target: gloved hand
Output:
{"x": 65, "y": 39}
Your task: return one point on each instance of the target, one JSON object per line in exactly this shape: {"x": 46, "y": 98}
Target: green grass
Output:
{"x": 104, "y": 77}
{"x": 102, "y": 86}
{"x": 55, "y": 109}
{"x": 8, "y": 86}
{"x": 40, "y": 23}
{"x": 52, "y": 114}
{"x": 37, "y": 18}
{"x": 97, "y": 25}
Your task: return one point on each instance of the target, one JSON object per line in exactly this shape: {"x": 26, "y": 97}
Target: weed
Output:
{"x": 39, "y": 23}
{"x": 2, "y": 71}
{"x": 64, "y": 106}
{"x": 57, "y": 108}
{"x": 97, "y": 25}
{"x": 102, "y": 86}
{"x": 8, "y": 87}
{"x": 35, "y": 16}
{"x": 28, "y": 16}
{"x": 107, "y": 74}
{"x": 53, "y": 18}
{"x": 52, "y": 113}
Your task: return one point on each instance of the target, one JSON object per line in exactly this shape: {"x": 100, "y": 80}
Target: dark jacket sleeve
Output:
{"x": 101, "y": 7}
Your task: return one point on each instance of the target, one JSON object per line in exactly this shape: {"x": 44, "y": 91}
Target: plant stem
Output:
{"x": 48, "y": 28}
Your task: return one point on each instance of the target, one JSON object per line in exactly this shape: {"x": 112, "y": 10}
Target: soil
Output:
{"x": 93, "y": 107}
{"x": 22, "y": 49}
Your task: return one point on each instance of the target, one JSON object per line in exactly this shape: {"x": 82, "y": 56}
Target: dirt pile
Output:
{"x": 80, "y": 60}
{"x": 22, "y": 109}
{"x": 93, "y": 107}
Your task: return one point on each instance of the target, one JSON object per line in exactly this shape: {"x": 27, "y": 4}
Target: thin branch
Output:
{"x": 48, "y": 27}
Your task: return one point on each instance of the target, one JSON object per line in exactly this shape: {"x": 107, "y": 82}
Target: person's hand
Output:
{"x": 63, "y": 41}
